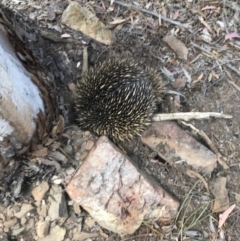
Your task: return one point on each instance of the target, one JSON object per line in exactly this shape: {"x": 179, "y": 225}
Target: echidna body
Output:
{"x": 117, "y": 99}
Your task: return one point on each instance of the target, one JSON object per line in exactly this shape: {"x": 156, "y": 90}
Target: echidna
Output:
{"x": 117, "y": 99}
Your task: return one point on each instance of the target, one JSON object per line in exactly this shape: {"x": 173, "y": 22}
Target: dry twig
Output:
{"x": 189, "y": 115}
{"x": 202, "y": 49}
{"x": 130, "y": 6}
{"x": 193, "y": 173}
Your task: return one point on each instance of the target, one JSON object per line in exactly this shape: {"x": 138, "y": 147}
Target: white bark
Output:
{"x": 20, "y": 99}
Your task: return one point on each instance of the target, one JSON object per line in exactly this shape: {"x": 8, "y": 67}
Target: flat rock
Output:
{"x": 39, "y": 191}
{"x": 115, "y": 193}
{"x": 24, "y": 209}
{"x": 56, "y": 234}
{"x": 42, "y": 228}
{"x": 81, "y": 19}
{"x": 10, "y": 223}
{"x": 58, "y": 205}
{"x": 176, "y": 146}
{"x": 84, "y": 236}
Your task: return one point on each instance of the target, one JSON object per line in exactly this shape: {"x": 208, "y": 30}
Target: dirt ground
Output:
{"x": 210, "y": 77}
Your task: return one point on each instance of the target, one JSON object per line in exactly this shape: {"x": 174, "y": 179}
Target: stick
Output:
{"x": 183, "y": 25}
{"x": 189, "y": 115}
{"x": 85, "y": 62}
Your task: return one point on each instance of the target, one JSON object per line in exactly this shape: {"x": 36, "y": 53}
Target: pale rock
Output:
{"x": 81, "y": 19}
{"x": 58, "y": 156}
{"x": 23, "y": 220}
{"x": 24, "y": 209}
{"x": 58, "y": 205}
{"x": 90, "y": 222}
{"x": 39, "y": 191}
{"x": 84, "y": 236}
{"x": 178, "y": 148}
{"x": 16, "y": 232}
{"x": 42, "y": 229}
{"x": 89, "y": 145}
{"x": 70, "y": 171}
{"x": 56, "y": 234}
{"x": 115, "y": 193}
{"x": 76, "y": 208}
{"x": 30, "y": 224}
{"x": 10, "y": 223}
{"x": 42, "y": 210}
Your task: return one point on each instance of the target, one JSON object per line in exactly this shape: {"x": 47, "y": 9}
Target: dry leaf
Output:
{"x": 55, "y": 145}
{"x": 41, "y": 125}
{"x": 117, "y": 21}
{"x": 210, "y": 77}
{"x": 59, "y": 128}
{"x": 72, "y": 87}
{"x": 49, "y": 141}
{"x": 220, "y": 192}
{"x": 223, "y": 217}
{"x": 198, "y": 79}
{"x": 205, "y": 24}
{"x": 178, "y": 83}
{"x": 102, "y": 233}
{"x": 148, "y": 5}
{"x": 176, "y": 14}
{"x": 214, "y": 74}
{"x": 40, "y": 153}
{"x": 177, "y": 46}
{"x": 209, "y": 8}
{"x": 232, "y": 35}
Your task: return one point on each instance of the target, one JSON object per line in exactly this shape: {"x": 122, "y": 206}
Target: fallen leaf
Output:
{"x": 117, "y": 21}
{"x": 103, "y": 5}
{"x": 223, "y": 217}
{"x": 102, "y": 233}
{"x": 215, "y": 53}
{"x": 232, "y": 35}
{"x": 176, "y": 14}
{"x": 179, "y": 82}
{"x": 59, "y": 128}
{"x": 205, "y": 24}
{"x": 198, "y": 79}
{"x": 110, "y": 9}
{"x": 177, "y": 46}
{"x": 40, "y": 153}
{"x": 220, "y": 192}
{"x": 214, "y": 74}
{"x": 168, "y": 74}
{"x": 210, "y": 77}
{"x": 209, "y": 8}
{"x": 73, "y": 89}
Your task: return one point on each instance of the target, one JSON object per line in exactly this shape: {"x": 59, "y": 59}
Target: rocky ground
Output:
{"x": 200, "y": 65}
